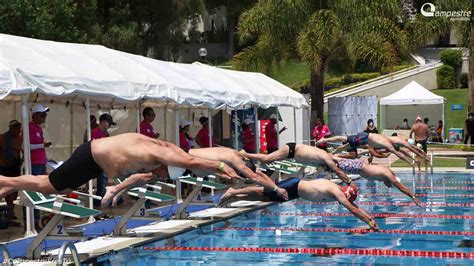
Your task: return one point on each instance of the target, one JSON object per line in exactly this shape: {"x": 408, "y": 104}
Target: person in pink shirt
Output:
{"x": 37, "y": 147}
{"x": 101, "y": 131}
{"x": 271, "y": 134}
{"x": 248, "y": 137}
{"x": 183, "y": 135}
{"x": 145, "y": 126}
{"x": 202, "y": 137}
{"x": 321, "y": 131}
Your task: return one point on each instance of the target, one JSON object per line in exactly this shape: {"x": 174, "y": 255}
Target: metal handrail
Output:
{"x": 6, "y": 255}
{"x": 62, "y": 252}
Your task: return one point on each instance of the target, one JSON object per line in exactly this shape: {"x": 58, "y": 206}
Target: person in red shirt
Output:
{"x": 37, "y": 147}
{"x": 145, "y": 126}
{"x": 202, "y": 137}
{"x": 321, "y": 131}
{"x": 183, "y": 135}
{"x": 101, "y": 131}
{"x": 271, "y": 134}
{"x": 248, "y": 137}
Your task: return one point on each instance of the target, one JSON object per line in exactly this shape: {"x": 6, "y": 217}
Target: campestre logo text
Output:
{"x": 429, "y": 10}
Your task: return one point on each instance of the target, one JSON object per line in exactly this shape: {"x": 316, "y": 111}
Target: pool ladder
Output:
{"x": 62, "y": 252}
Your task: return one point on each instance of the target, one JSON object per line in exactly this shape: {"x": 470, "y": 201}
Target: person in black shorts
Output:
{"x": 133, "y": 156}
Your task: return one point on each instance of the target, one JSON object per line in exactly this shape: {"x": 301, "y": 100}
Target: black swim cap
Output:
{"x": 251, "y": 165}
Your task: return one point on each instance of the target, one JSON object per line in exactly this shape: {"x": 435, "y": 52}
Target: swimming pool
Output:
{"x": 300, "y": 232}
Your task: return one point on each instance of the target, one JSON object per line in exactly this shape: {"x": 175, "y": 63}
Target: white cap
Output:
{"x": 175, "y": 172}
{"x": 39, "y": 109}
{"x": 184, "y": 123}
{"x": 411, "y": 141}
{"x": 248, "y": 121}
{"x": 273, "y": 116}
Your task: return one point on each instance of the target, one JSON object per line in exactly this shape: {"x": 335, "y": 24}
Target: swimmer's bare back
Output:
{"x": 129, "y": 153}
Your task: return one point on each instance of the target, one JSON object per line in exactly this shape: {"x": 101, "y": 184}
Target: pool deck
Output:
{"x": 95, "y": 249}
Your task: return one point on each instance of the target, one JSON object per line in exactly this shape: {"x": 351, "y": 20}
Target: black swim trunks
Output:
{"x": 423, "y": 145}
{"x": 291, "y": 152}
{"x": 360, "y": 139}
{"x": 77, "y": 170}
{"x": 290, "y": 185}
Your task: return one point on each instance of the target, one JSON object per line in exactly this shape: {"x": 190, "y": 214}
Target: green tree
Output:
{"x": 318, "y": 32}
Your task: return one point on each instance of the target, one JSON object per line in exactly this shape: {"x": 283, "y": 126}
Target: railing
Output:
{"x": 62, "y": 252}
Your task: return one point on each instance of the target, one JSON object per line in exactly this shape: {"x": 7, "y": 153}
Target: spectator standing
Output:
{"x": 248, "y": 137}
{"x": 11, "y": 159}
{"x": 321, "y": 131}
{"x": 439, "y": 132}
{"x": 37, "y": 146}
{"x": 101, "y": 131}
{"x": 469, "y": 126}
{"x": 421, "y": 132}
{"x": 202, "y": 137}
{"x": 371, "y": 128}
{"x": 145, "y": 125}
{"x": 271, "y": 134}
{"x": 183, "y": 135}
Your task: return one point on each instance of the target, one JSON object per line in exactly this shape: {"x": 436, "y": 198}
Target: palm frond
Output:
{"x": 373, "y": 48}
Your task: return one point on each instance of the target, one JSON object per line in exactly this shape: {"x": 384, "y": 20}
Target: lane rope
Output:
{"x": 349, "y": 230}
{"x": 426, "y": 187}
{"x": 384, "y": 203}
{"x": 420, "y": 195}
{"x": 376, "y": 215}
{"x": 326, "y": 251}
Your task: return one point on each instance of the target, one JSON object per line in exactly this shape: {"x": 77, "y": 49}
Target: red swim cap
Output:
{"x": 350, "y": 192}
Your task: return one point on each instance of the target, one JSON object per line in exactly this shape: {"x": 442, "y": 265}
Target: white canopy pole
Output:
{"x": 236, "y": 134}
{"x": 278, "y": 128}
{"x": 138, "y": 116}
{"x": 257, "y": 129}
{"x": 176, "y": 135}
{"x": 444, "y": 123}
{"x": 308, "y": 121}
{"x": 209, "y": 114}
{"x": 89, "y": 138}
{"x": 294, "y": 123}
{"x": 30, "y": 216}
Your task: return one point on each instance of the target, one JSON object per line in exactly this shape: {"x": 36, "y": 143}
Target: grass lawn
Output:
{"x": 453, "y": 118}
{"x": 438, "y": 162}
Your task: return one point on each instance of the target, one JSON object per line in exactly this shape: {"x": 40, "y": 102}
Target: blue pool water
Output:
{"x": 447, "y": 188}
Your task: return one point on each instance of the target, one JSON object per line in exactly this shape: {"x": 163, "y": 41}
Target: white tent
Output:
{"x": 409, "y": 102}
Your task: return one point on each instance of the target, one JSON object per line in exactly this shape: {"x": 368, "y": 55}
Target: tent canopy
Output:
{"x": 413, "y": 93}
{"x": 409, "y": 102}
{"x": 63, "y": 69}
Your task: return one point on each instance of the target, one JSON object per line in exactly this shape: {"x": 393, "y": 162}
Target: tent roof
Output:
{"x": 66, "y": 69}
{"x": 411, "y": 94}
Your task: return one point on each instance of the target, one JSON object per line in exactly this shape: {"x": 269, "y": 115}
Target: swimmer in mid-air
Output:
{"x": 132, "y": 155}
{"x": 319, "y": 190}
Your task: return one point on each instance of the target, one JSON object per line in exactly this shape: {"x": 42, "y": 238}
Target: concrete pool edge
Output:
{"x": 195, "y": 225}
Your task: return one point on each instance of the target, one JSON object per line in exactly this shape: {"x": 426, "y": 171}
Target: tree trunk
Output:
{"x": 317, "y": 96}
{"x": 471, "y": 72}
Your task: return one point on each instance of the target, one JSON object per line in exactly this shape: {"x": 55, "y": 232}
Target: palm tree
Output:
{"x": 317, "y": 32}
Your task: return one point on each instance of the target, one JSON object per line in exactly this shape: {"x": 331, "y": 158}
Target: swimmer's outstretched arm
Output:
{"x": 405, "y": 190}
{"x": 332, "y": 165}
{"x": 354, "y": 209}
{"x": 341, "y": 148}
{"x": 399, "y": 155}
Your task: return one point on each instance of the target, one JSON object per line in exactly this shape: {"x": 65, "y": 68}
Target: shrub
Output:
{"x": 464, "y": 80}
{"x": 452, "y": 57}
{"x": 358, "y": 77}
{"x": 445, "y": 77}
{"x": 333, "y": 82}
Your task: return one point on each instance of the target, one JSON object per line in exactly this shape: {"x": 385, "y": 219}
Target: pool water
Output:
{"x": 448, "y": 199}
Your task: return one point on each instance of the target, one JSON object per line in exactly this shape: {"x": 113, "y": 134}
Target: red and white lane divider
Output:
{"x": 326, "y": 251}
{"x": 427, "y": 187}
{"x": 420, "y": 195}
{"x": 349, "y": 230}
{"x": 384, "y": 203}
{"x": 376, "y": 215}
